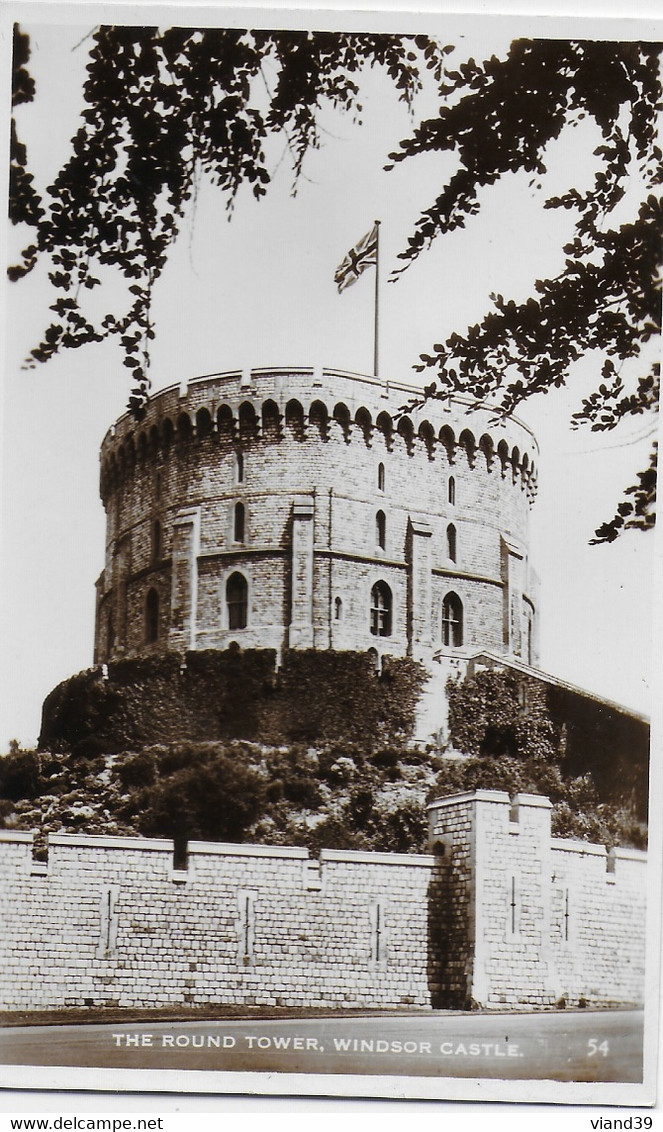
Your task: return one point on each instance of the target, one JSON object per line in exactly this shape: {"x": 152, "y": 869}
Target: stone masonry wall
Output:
{"x": 597, "y": 917}
{"x": 498, "y": 915}
{"x": 109, "y": 921}
{"x": 553, "y": 919}
{"x": 269, "y": 438}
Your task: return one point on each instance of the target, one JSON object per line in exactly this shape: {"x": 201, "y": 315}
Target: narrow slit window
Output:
{"x": 107, "y": 922}
{"x": 239, "y": 523}
{"x": 381, "y": 530}
{"x": 379, "y": 934}
{"x": 246, "y": 927}
{"x": 156, "y": 541}
{"x": 379, "y": 914}
{"x": 380, "y": 477}
{"x": 452, "y": 491}
{"x": 338, "y": 609}
{"x": 152, "y": 617}
{"x": 239, "y": 467}
{"x": 451, "y": 543}
{"x": 512, "y": 910}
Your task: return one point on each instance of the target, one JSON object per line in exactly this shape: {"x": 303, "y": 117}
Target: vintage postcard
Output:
{"x": 330, "y": 417}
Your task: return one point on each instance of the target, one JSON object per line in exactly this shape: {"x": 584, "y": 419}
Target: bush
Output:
{"x": 403, "y": 830}
{"x": 138, "y": 770}
{"x": 303, "y": 791}
{"x": 20, "y": 776}
{"x": 214, "y": 800}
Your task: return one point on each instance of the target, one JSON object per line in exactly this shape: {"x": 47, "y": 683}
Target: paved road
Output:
{"x": 562, "y": 1046}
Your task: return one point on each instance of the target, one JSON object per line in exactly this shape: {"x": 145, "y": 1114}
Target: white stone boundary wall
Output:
{"x": 499, "y": 914}
{"x": 109, "y": 921}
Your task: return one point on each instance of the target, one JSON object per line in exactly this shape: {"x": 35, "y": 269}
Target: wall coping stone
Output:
{"x": 471, "y": 796}
{"x": 589, "y": 847}
{"x": 534, "y": 801}
{"x": 17, "y": 835}
{"x": 624, "y": 853}
{"x": 232, "y": 849}
{"x": 98, "y": 841}
{"x": 362, "y": 856}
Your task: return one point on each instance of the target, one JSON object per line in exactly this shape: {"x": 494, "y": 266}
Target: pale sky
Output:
{"x": 259, "y": 290}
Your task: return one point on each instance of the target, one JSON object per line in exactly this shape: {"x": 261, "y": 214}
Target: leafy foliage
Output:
{"x": 490, "y": 715}
{"x": 19, "y": 775}
{"x": 500, "y": 117}
{"x": 316, "y": 697}
{"x": 24, "y": 204}
{"x": 504, "y": 720}
{"x": 162, "y": 108}
{"x": 360, "y": 787}
{"x": 326, "y": 797}
{"x": 211, "y": 798}
{"x": 578, "y": 809}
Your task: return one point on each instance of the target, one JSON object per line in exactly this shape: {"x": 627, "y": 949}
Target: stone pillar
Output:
{"x": 497, "y": 853}
{"x": 184, "y": 591}
{"x": 513, "y": 578}
{"x": 300, "y": 635}
{"x": 420, "y": 587}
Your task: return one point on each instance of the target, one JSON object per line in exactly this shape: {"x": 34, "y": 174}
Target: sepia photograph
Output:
{"x": 329, "y": 563}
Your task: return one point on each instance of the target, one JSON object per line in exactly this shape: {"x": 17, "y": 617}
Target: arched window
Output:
{"x": 452, "y": 621}
{"x": 338, "y": 609}
{"x": 451, "y": 542}
{"x": 156, "y": 540}
{"x": 237, "y": 593}
{"x": 239, "y": 467}
{"x": 381, "y": 604}
{"x": 452, "y": 491}
{"x": 380, "y": 477}
{"x": 152, "y": 617}
{"x": 238, "y": 524}
{"x": 381, "y": 530}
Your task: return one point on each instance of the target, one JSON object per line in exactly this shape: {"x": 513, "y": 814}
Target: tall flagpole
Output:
{"x": 377, "y": 279}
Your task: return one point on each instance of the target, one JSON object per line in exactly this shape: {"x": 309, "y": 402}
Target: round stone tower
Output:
{"x": 298, "y": 508}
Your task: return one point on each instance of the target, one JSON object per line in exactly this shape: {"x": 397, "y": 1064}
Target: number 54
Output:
{"x": 593, "y": 1047}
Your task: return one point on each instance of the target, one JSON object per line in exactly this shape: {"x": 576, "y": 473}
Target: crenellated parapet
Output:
{"x": 303, "y": 508}
{"x": 320, "y": 405}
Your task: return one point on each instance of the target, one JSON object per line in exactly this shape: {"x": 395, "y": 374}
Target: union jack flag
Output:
{"x": 363, "y": 255}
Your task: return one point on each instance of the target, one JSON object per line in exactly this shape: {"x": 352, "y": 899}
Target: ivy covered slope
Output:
{"x": 313, "y": 697}
{"x": 322, "y": 791}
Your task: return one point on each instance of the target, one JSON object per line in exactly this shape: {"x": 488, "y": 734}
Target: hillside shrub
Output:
{"x": 214, "y": 799}
{"x": 20, "y": 776}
